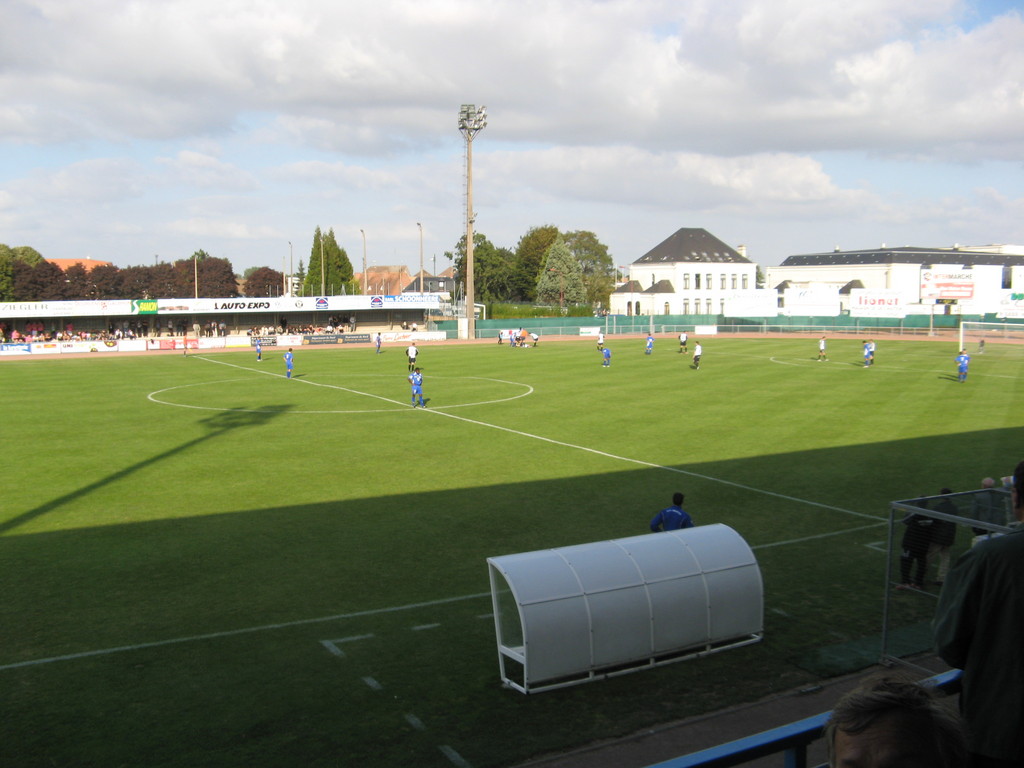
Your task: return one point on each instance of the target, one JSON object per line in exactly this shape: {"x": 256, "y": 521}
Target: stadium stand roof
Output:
{"x": 904, "y": 255}
{"x": 690, "y": 245}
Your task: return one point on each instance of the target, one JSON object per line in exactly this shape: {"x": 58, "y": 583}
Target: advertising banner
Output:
{"x": 1011, "y": 305}
{"x": 865, "y": 302}
{"x": 812, "y": 301}
{"x": 947, "y": 284}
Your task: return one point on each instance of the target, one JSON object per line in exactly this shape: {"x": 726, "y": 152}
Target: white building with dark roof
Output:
{"x": 977, "y": 280}
{"x": 690, "y": 273}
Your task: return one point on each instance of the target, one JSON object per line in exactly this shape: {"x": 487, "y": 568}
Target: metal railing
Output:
{"x": 791, "y": 740}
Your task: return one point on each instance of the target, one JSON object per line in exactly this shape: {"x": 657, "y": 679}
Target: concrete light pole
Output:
{"x": 471, "y": 122}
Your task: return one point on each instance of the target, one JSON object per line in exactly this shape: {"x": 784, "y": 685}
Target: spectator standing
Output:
{"x": 672, "y": 518}
{"x": 914, "y": 550}
{"x": 943, "y": 536}
{"x": 978, "y": 627}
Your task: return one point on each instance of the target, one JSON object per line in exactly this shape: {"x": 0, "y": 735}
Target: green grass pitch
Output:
{"x": 205, "y": 564}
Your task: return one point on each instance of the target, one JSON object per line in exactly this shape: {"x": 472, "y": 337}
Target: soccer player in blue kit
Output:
{"x": 672, "y": 518}
{"x": 289, "y": 363}
{"x": 650, "y": 345}
{"x": 607, "y": 355}
{"x": 416, "y": 379}
{"x": 259, "y": 351}
{"x": 962, "y": 360}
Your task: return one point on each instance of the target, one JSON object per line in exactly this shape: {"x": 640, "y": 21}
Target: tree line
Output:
{"x": 547, "y": 266}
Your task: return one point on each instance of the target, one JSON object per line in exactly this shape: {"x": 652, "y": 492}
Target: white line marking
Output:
{"x": 244, "y": 631}
{"x": 331, "y": 645}
{"x": 336, "y": 617}
{"x": 402, "y": 405}
{"x": 594, "y": 451}
{"x": 373, "y": 684}
{"x": 425, "y": 626}
{"x": 415, "y": 722}
{"x": 652, "y": 465}
{"x": 454, "y": 757}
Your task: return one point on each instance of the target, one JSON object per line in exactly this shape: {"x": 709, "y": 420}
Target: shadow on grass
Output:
{"x": 216, "y": 426}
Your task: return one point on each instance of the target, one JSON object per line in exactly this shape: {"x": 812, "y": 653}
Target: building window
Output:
{"x": 734, "y": 282}
{"x": 686, "y": 281}
{"x": 709, "y": 306}
{"x": 686, "y": 306}
{"x": 696, "y": 281}
{"x": 721, "y": 311}
{"x": 723, "y": 281}
{"x": 666, "y": 312}
{"x": 708, "y": 284}
{"x": 745, "y": 282}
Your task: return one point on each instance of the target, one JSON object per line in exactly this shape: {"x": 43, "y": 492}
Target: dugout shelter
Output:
{"x": 587, "y": 612}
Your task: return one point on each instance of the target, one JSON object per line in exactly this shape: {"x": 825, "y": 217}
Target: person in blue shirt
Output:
{"x": 607, "y": 355}
{"x": 289, "y": 363}
{"x": 259, "y": 351}
{"x": 672, "y": 518}
{"x": 962, "y": 360}
{"x": 868, "y": 353}
{"x": 378, "y": 340}
{"x": 650, "y": 345}
{"x": 416, "y": 379}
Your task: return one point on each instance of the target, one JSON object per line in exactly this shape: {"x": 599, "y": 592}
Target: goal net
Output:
{"x": 972, "y": 334}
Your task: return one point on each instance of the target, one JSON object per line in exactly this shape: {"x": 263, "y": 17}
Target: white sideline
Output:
{"x": 243, "y": 631}
{"x": 341, "y": 616}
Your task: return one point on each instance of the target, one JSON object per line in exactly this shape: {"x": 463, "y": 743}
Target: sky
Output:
{"x": 134, "y": 131}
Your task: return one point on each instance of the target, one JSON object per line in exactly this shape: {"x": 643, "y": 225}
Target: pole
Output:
{"x": 365, "y": 289}
{"x": 470, "y": 294}
{"x": 421, "y": 255}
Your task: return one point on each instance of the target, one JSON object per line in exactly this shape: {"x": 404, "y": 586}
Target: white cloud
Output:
{"x": 252, "y": 119}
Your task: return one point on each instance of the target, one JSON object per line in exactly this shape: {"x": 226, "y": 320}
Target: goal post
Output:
{"x": 973, "y": 333}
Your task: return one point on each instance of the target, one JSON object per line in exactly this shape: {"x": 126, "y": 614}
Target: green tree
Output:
{"x": 6, "y": 275}
{"x": 492, "y": 268}
{"x": 530, "y": 252}
{"x": 326, "y": 254}
{"x": 263, "y": 281}
{"x": 561, "y": 279}
{"x": 596, "y": 265}
{"x": 29, "y": 255}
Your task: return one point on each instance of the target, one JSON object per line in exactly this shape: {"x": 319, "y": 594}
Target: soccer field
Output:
{"x": 204, "y": 563}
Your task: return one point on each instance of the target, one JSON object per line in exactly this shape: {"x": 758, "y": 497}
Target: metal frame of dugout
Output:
{"x": 587, "y": 612}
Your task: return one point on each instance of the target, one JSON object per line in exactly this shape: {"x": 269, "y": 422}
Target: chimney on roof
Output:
{"x": 836, "y": 249}
{"x": 742, "y": 250}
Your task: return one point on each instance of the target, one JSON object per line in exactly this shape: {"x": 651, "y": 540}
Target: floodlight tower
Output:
{"x": 471, "y": 122}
